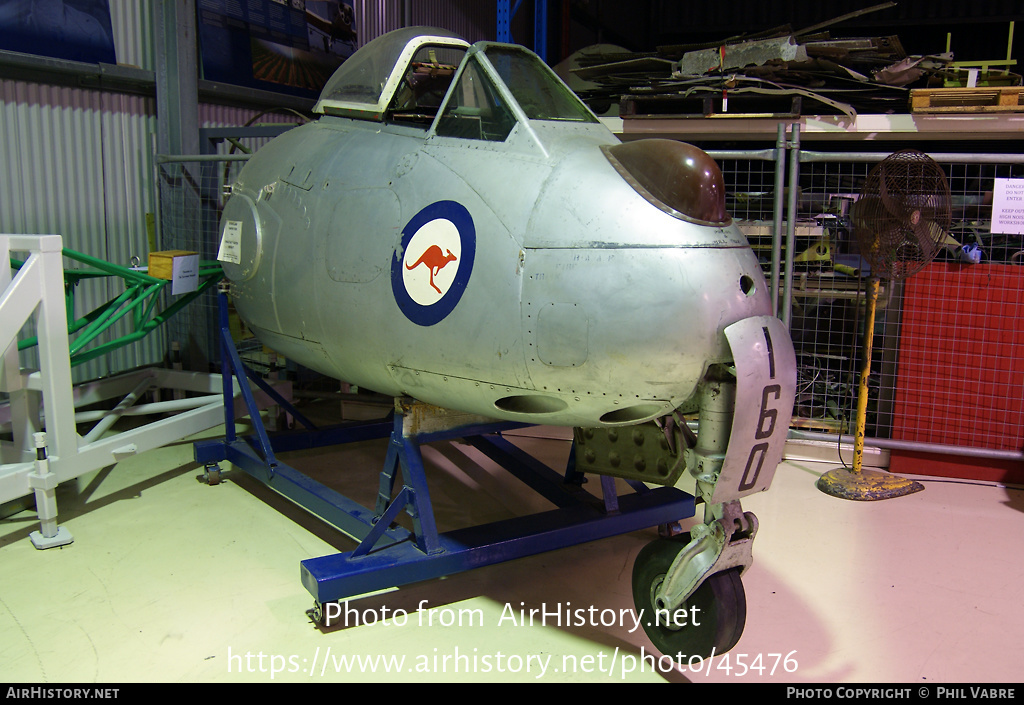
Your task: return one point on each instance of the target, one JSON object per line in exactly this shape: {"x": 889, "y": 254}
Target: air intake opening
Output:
{"x": 632, "y": 414}
{"x": 530, "y": 404}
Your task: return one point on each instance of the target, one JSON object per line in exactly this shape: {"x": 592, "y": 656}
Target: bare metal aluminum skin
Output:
{"x": 459, "y": 228}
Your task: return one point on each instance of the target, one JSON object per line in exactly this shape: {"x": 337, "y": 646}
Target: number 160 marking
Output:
{"x": 767, "y": 415}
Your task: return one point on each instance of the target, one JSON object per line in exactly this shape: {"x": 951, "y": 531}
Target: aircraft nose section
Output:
{"x": 678, "y": 178}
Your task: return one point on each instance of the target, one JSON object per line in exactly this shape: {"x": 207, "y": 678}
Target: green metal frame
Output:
{"x": 139, "y": 298}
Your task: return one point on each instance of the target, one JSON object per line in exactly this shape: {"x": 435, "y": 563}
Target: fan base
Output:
{"x": 866, "y": 485}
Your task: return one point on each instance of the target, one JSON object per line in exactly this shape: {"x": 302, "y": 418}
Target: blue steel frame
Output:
{"x": 506, "y": 11}
{"x": 390, "y": 556}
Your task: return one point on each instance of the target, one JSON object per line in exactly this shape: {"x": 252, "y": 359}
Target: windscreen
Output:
{"x": 475, "y": 109}
{"x": 539, "y": 92}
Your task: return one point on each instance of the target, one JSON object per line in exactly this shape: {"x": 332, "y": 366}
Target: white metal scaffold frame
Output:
{"x": 46, "y": 448}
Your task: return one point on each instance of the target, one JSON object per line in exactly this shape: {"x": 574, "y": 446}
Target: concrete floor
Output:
{"x": 169, "y": 579}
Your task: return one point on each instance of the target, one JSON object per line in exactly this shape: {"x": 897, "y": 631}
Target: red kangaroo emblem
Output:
{"x": 435, "y": 262}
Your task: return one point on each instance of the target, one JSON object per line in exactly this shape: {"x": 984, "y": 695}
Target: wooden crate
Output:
{"x": 161, "y": 264}
{"x": 966, "y": 100}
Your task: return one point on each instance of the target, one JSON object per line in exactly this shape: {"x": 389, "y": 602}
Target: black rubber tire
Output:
{"x": 720, "y": 602}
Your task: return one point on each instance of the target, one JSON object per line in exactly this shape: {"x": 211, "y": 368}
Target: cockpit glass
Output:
{"x": 363, "y": 75}
{"x": 424, "y": 85}
{"x": 535, "y": 87}
{"x": 368, "y": 81}
{"x": 476, "y": 110}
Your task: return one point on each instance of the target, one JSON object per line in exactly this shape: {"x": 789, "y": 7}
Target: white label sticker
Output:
{"x": 231, "y": 243}
{"x": 184, "y": 274}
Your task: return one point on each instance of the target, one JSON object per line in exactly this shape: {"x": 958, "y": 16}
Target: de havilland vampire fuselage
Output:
{"x": 459, "y": 228}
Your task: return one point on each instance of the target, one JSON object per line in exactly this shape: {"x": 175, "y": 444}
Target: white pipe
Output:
{"x": 916, "y": 446}
{"x": 158, "y": 407}
{"x": 109, "y": 417}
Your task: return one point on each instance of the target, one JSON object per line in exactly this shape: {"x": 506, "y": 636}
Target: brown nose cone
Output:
{"x": 675, "y": 175}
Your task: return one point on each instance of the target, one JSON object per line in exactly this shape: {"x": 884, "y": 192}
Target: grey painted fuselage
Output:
{"x": 522, "y": 278}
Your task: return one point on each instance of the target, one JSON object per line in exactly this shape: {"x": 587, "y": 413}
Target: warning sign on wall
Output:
{"x": 1008, "y": 207}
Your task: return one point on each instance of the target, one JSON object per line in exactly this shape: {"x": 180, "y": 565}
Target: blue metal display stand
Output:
{"x": 389, "y": 555}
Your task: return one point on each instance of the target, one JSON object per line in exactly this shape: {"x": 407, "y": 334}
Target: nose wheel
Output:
{"x": 709, "y": 621}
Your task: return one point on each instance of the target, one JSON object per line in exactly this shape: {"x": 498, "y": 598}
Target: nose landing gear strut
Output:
{"x": 687, "y": 588}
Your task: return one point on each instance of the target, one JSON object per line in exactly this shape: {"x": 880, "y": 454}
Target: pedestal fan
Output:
{"x": 900, "y": 222}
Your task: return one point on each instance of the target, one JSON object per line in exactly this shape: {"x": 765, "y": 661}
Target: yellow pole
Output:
{"x": 857, "y": 483}
{"x": 865, "y": 372}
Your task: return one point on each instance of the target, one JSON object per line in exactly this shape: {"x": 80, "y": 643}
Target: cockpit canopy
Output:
{"x": 407, "y": 76}
{"x": 364, "y": 84}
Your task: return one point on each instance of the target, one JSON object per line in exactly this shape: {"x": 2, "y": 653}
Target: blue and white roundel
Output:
{"x": 430, "y": 271}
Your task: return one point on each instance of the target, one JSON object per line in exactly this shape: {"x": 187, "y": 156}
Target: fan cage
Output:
{"x": 903, "y": 215}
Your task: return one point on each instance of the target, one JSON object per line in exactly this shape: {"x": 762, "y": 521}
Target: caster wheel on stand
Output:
{"x": 316, "y": 613}
{"x": 212, "y": 475}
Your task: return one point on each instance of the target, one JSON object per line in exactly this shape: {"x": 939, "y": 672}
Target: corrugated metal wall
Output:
{"x": 134, "y": 42}
{"x": 79, "y": 162}
{"x": 474, "y": 20}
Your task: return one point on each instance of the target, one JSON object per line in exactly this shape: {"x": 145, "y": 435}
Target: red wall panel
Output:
{"x": 961, "y": 367}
